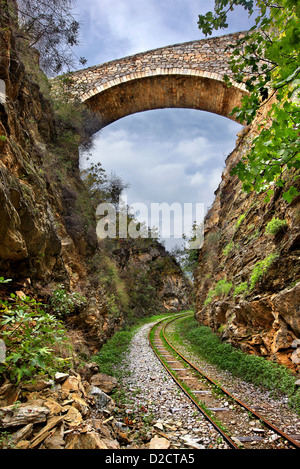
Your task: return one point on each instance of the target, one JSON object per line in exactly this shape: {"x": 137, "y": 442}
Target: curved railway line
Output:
{"x": 232, "y": 420}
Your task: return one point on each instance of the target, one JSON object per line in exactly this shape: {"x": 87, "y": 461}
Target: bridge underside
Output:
{"x": 164, "y": 91}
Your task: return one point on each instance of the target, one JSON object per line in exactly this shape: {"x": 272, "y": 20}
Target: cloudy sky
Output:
{"x": 169, "y": 155}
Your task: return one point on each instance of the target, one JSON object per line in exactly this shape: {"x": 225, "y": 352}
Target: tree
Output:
{"x": 103, "y": 188}
{"x": 49, "y": 27}
{"x": 115, "y": 188}
{"x": 188, "y": 254}
{"x": 267, "y": 61}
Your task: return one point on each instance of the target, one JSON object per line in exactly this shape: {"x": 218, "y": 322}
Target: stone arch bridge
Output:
{"x": 188, "y": 75}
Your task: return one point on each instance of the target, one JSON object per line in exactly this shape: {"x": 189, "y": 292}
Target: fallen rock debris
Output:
{"x": 69, "y": 413}
{"x": 77, "y": 411}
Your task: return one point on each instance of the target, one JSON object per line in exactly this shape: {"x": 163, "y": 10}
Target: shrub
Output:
{"x": 240, "y": 220}
{"x": 261, "y": 268}
{"x": 63, "y": 303}
{"x": 29, "y": 334}
{"x": 274, "y": 226}
{"x": 241, "y": 288}
{"x": 228, "y": 248}
{"x": 221, "y": 289}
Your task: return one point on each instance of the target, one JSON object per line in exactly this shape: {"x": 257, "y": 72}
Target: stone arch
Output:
{"x": 158, "y": 91}
{"x": 188, "y": 75}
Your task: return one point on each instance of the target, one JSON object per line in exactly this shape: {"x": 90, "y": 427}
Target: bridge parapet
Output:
{"x": 207, "y": 58}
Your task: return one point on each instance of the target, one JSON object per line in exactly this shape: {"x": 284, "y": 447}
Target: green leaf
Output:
{"x": 290, "y": 194}
{"x": 3, "y": 280}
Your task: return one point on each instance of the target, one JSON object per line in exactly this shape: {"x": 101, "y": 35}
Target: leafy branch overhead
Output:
{"x": 267, "y": 61}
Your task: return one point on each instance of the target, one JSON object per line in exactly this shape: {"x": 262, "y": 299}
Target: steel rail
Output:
{"x": 230, "y": 442}
{"x": 242, "y": 404}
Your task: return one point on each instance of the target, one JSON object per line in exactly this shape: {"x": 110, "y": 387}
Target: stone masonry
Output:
{"x": 188, "y": 75}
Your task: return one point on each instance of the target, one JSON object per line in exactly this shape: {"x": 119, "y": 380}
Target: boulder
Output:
{"x": 103, "y": 430}
{"x": 73, "y": 417}
{"x": 81, "y": 405}
{"x": 85, "y": 441}
{"x": 45, "y": 431}
{"x": 9, "y": 394}
{"x": 89, "y": 370}
{"x": 60, "y": 377}
{"x": 54, "y": 407}
{"x": 14, "y": 416}
{"x": 159, "y": 443}
{"x": 73, "y": 384}
{"x": 38, "y": 386}
{"x": 105, "y": 382}
{"x": 101, "y": 398}
{"x": 295, "y": 357}
{"x": 287, "y": 305}
{"x": 22, "y": 435}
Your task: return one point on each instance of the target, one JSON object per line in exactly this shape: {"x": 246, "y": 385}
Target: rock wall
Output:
{"x": 164, "y": 275}
{"x": 260, "y": 317}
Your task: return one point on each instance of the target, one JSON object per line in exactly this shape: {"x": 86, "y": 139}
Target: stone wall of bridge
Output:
{"x": 188, "y": 75}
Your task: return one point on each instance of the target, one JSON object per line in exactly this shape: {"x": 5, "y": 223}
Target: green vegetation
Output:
{"x": 35, "y": 340}
{"x": 221, "y": 290}
{"x": 253, "y": 369}
{"x": 228, "y": 248}
{"x": 75, "y": 123}
{"x": 240, "y": 220}
{"x": 188, "y": 255}
{"x": 63, "y": 303}
{"x": 223, "y": 287}
{"x": 3, "y": 280}
{"x": 275, "y": 225}
{"x": 112, "y": 352}
{"x": 266, "y": 60}
{"x": 261, "y": 268}
{"x": 242, "y": 288}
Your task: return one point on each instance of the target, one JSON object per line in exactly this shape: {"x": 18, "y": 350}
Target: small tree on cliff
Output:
{"x": 267, "y": 60}
{"x": 48, "y": 26}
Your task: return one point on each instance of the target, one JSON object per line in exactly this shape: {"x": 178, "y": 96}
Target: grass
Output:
{"x": 242, "y": 288}
{"x": 253, "y": 369}
{"x": 222, "y": 289}
{"x": 261, "y": 268}
{"x": 274, "y": 226}
{"x": 228, "y": 248}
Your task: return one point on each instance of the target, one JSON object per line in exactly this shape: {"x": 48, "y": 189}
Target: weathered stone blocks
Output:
{"x": 142, "y": 81}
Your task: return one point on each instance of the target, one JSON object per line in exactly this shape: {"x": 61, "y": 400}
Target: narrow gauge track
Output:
{"x": 206, "y": 395}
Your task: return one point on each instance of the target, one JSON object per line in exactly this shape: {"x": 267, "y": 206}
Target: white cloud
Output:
{"x": 114, "y": 29}
{"x": 197, "y": 179}
{"x": 111, "y": 30}
{"x": 160, "y": 168}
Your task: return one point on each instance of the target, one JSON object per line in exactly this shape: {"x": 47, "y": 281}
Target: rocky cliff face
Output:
{"x": 164, "y": 274}
{"x": 47, "y": 223}
{"x": 247, "y": 283}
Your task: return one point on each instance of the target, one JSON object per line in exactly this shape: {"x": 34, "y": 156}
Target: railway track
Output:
{"x": 231, "y": 417}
